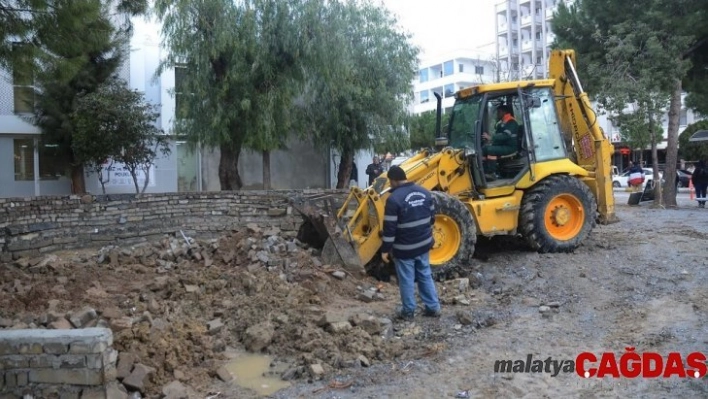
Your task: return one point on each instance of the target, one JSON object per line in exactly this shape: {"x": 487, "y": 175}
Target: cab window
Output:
{"x": 547, "y": 137}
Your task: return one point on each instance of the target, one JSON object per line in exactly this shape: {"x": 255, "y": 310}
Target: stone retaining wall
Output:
{"x": 58, "y": 363}
{"x": 36, "y": 225}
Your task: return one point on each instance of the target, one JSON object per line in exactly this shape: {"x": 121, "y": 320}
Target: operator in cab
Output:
{"x": 503, "y": 142}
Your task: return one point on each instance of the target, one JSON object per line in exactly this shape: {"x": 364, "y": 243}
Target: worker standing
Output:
{"x": 700, "y": 182}
{"x": 374, "y": 170}
{"x": 407, "y": 236}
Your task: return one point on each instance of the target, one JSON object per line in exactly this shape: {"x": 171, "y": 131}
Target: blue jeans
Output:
{"x": 409, "y": 271}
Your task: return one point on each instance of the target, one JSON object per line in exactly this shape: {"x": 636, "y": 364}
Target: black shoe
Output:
{"x": 432, "y": 313}
{"x": 401, "y": 315}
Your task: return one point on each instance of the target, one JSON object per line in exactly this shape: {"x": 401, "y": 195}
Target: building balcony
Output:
{"x": 528, "y": 19}
{"x": 504, "y": 27}
{"x": 529, "y": 45}
{"x": 550, "y": 11}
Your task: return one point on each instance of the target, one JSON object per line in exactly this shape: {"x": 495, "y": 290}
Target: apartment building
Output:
{"x": 448, "y": 73}
{"x": 524, "y": 33}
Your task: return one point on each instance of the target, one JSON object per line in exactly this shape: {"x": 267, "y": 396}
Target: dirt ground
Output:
{"x": 639, "y": 282}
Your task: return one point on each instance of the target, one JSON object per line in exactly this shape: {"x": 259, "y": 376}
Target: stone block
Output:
{"x": 44, "y": 361}
{"x": 55, "y": 348}
{"x": 72, "y": 361}
{"x": 21, "y": 378}
{"x": 138, "y": 377}
{"x": 31, "y": 349}
{"x": 93, "y": 393}
{"x": 71, "y": 377}
{"x": 13, "y": 362}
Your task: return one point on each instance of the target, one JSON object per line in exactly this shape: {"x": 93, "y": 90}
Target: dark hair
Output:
{"x": 505, "y": 108}
{"x": 395, "y": 173}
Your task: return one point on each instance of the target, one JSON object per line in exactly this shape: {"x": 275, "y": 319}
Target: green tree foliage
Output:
{"x": 336, "y": 72}
{"x": 422, "y": 129}
{"x": 116, "y": 123}
{"x": 696, "y": 151}
{"x": 244, "y": 67}
{"x": 669, "y": 37}
{"x": 359, "y": 80}
{"x": 61, "y": 49}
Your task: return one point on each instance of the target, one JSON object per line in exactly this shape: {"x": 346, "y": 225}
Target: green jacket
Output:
{"x": 505, "y": 133}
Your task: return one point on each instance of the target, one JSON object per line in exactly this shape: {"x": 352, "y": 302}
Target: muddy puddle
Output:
{"x": 253, "y": 372}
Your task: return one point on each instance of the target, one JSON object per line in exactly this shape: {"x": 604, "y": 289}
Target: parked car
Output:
{"x": 621, "y": 180}
{"x": 683, "y": 177}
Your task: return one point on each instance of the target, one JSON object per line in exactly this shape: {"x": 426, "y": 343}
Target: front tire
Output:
{"x": 455, "y": 236}
{"x": 557, "y": 214}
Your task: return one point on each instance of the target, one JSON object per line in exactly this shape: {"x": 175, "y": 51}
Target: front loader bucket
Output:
{"x": 322, "y": 229}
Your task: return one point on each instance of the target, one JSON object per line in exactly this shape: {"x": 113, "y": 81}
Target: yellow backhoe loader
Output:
{"x": 552, "y": 190}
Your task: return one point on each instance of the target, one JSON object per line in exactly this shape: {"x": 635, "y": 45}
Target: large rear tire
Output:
{"x": 557, "y": 214}
{"x": 455, "y": 235}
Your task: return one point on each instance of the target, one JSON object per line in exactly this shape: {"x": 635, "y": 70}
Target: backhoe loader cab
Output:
{"x": 550, "y": 185}
{"x": 538, "y": 138}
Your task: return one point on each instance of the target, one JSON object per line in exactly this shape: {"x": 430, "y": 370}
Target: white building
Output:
{"x": 28, "y": 167}
{"x": 448, "y": 73}
{"x": 524, "y": 34}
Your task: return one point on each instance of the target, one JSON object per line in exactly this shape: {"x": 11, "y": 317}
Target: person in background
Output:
{"x": 636, "y": 176}
{"x": 700, "y": 183}
{"x": 408, "y": 239}
{"x": 374, "y": 170}
{"x": 354, "y": 176}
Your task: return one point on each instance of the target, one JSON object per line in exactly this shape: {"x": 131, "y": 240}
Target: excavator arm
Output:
{"x": 591, "y": 149}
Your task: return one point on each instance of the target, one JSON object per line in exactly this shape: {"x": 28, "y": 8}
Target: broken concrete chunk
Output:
{"x": 191, "y": 288}
{"x": 83, "y": 317}
{"x": 339, "y": 274}
{"x": 121, "y": 323}
{"x": 224, "y": 374}
{"x": 174, "y": 390}
{"x": 138, "y": 377}
{"x": 214, "y": 326}
{"x": 125, "y": 364}
{"x": 339, "y": 327}
{"x": 258, "y": 336}
{"x": 316, "y": 370}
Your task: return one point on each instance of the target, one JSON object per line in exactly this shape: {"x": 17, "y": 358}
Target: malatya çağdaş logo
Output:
{"x": 630, "y": 364}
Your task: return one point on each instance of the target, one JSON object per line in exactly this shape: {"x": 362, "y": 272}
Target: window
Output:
{"x": 538, "y": 35}
{"x": 423, "y": 75}
{"x": 461, "y": 68}
{"x": 547, "y": 138}
{"x": 24, "y": 159}
{"x": 449, "y": 90}
{"x": 23, "y": 84}
{"x": 479, "y": 70}
{"x": 683, "y": 117}
{"x": 516, "y": 42}
{"x": 51, "y": 162}
{"x": 424, "y": 96}
{"x": 538, "y": 60}
{"x": 180, "y": 72}
{"x": 513, "y": 19}
{"x": 463, "y": 118}
{"x": 448, "y": 68}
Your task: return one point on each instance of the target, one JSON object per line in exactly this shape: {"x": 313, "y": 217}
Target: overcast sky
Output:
{"x": 441, "y": 26}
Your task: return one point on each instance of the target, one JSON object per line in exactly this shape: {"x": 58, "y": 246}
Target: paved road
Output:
{"x": 683, "y": 198}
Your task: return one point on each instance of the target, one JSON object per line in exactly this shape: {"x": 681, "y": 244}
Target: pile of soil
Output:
{"x": 176, "y": 306}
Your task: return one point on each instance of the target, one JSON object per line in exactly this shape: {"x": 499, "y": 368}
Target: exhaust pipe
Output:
{"x": 440, "y": 141}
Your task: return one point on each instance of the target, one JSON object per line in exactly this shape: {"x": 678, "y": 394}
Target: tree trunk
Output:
{"x": 655, "y": 169}
{"x": 672, "y": 146}
{"x": 266, "y": 170}
{"x": 134, "y": 175}
{"x": 229, "y": 178}
{"x": 345, "y": 169}
{"x": 78, "y": 183}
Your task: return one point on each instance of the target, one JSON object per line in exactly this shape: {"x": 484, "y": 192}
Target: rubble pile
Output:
{"x": 175, "y": 306}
